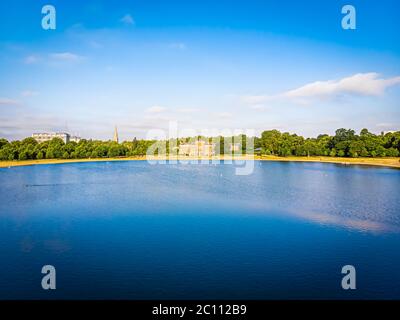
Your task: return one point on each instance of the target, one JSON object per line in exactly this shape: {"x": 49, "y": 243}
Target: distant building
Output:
{"x": 197, "y": 149}
{"x": 47, "y": 136}
{"x": 116, "y": 134}
{"x": 75, "y": 139}
{"x": 235, "y": 147}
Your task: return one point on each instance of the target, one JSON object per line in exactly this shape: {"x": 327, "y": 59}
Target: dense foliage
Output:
{"x": 345, "y": 143}
{"x": 29, "y": 148}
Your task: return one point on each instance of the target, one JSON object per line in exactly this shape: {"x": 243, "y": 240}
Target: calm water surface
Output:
{"x": 132, "y": 230}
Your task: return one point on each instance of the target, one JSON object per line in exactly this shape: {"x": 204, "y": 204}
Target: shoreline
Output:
{"x": 381, "y": 162}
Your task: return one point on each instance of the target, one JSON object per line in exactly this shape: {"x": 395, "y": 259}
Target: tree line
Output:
{"x": 345, "y": 143}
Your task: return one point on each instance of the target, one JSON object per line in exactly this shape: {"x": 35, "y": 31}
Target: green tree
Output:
{"x": 3, "y": 142}
{"x": 271, "y": 141}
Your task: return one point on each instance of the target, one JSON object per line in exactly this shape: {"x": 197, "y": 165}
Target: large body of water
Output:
{"x": 131, "y": 230}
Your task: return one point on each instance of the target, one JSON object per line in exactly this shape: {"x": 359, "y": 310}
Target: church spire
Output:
{"x": 116, "y": 134}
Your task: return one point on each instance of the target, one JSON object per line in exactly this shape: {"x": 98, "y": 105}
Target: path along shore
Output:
{"x": 383, "y": 162}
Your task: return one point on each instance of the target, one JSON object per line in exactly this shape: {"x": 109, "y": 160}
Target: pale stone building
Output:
{"x": 75, "y": 139}
{"x": 47, "y": 136}
{"x": 235, "y": 147}
{"x": 197, "y": 149}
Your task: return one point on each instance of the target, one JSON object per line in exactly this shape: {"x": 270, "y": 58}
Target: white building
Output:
{"x": 197, "y": 149}
{"x": 235, "y": 147}
{"x": 75, "y": 139}
{"x": 47, "y": 136}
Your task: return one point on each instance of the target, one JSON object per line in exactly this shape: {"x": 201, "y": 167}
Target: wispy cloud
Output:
{"x": 95, "y": 44}
{"x": 224, "y": 115}
{"x": 360, "y": 84}
{"x": 385, "y": 125}
{"x": 155, "y": 109}
{"x": 55, "y": 58}
{"x": 31, "y": 59}
{"x": 178, "y": 45}
{"x": 65, "y": 56}
{"x": 188, "y": 110}
{"x": 8, "y": 102}
{"x": 127, "y": 20}
{"x": 29, "y": 93}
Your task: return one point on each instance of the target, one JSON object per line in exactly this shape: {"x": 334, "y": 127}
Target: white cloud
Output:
{"x": 224, "y": 115}
{"x": 360, "y": 84}
{"x": 178, "y": 45}
{"x": 385, "y": 125}
{"x": 96, "y": 45}
{"x": 31, "y": 59}
{"x": 188, "y": 110}
{"x": 155, "y": 109}
{"x": 65, "y": 56}
{"x": 54, "y": 58}
{"x": 127, "y": 20}
{"x": 29, "y": 93}
{"x": 8, "y": 102}
{"x": 258, "y": 106}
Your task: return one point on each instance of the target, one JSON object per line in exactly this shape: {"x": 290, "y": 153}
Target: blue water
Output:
{"x": 131, "y": 230}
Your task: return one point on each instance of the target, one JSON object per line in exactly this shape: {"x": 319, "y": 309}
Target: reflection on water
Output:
{"x": 157, "y": 225}
{"x": 347, "y": 222}
{"x": 356, "y": 197}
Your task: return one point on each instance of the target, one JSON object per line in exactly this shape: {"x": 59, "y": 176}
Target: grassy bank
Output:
{"x": 385, "y": 162}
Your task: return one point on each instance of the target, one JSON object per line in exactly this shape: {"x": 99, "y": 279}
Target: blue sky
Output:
{"x": 285, "y": 65}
